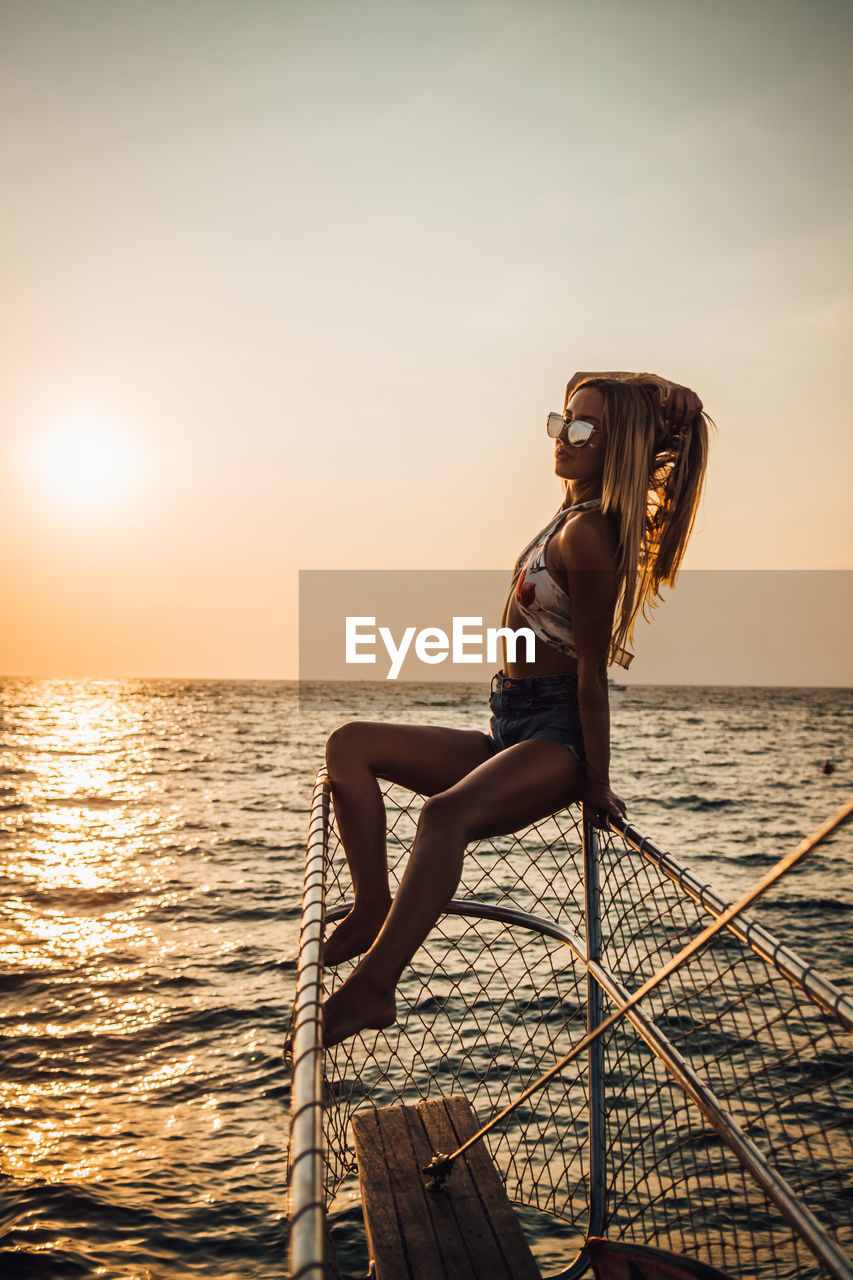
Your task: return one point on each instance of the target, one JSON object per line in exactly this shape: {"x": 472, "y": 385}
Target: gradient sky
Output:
{"x": 308, "y": 276}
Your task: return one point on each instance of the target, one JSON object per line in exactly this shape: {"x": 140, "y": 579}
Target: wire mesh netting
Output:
{"x": 483, "y": 1009}
{"x": 775, "y": 1061}
{"x": 487, "y": 1005}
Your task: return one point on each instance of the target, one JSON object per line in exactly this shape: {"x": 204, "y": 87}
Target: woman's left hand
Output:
{"x": 600, "y": 805}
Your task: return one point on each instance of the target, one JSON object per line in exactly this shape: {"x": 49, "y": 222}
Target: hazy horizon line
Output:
{"x": 391, "y": 684}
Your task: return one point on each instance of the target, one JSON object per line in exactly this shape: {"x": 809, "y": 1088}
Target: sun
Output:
{"x": 85, "y": 461}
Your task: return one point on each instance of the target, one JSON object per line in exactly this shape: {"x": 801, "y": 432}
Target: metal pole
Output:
{"x": 763, "y": 943}
{"x": 777, "y": 1190}
{"x": 594, "y": 1016}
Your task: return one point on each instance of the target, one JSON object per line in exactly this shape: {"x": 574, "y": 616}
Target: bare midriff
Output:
{"x": 549, "y": 661}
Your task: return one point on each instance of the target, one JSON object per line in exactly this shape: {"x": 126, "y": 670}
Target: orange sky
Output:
{"x": 293, "y": 287}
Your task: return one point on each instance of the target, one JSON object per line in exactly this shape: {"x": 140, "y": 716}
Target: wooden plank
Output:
{"x": 460, "y": 1192}
{"x": 377, "y": 1198}
{"x": 401, "y": 1236}
{"x": 453, "y": 1121}
{"x": 467, "y": 1231}
{"x": 410, "y": 1198}
{"x": 442, "y": 1210}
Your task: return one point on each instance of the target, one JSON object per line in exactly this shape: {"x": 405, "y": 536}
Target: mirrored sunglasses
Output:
{"x": 579, "y": 432}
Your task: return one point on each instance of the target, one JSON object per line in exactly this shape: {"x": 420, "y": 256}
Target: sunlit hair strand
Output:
{"x": 652, "y": 483}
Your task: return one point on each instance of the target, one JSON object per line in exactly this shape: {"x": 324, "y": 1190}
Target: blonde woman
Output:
{"x": 631, "y": 451}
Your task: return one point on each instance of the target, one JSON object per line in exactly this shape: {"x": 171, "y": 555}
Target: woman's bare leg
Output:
{"x": 514, "y": 788}
{"x": 425, "y": 759}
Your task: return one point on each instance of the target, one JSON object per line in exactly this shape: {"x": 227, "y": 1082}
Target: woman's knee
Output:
{"x": 345, "y": 748}
{"x": 443, "y": 812}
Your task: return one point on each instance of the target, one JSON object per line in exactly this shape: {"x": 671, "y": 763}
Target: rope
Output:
{"x": 441, "y": 1165}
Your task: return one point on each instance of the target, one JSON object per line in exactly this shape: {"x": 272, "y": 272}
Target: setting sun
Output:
{"x": 86, "y": 461}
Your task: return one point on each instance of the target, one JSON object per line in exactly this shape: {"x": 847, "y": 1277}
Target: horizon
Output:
{"x": 389, "y": 684}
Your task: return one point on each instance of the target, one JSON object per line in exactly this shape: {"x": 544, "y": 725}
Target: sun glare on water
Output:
{"x": 85, "y": 462}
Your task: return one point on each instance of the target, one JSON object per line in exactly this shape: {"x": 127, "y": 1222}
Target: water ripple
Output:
{"x": 149, "y": 912}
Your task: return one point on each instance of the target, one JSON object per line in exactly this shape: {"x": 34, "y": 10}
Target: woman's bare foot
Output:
{"x": 356, "y": 1005}
{"x": 356, "y": 933}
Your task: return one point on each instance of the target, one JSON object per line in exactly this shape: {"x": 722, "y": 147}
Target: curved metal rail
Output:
{"x": 306, "y": 1210}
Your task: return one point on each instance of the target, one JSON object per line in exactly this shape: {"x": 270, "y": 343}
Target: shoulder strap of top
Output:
{"x": 581, "y": 506}
{"x": 551, "y": 527}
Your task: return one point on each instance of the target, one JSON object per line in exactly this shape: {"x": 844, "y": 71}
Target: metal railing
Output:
{"x": 306, "y": 1166}
{"x": 707, "y": 1122}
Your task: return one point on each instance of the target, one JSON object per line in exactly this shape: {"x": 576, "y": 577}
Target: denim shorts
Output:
{"x": 536, "y": 707}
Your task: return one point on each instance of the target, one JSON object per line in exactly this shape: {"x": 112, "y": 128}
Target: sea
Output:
{"x": 152, "y": 845}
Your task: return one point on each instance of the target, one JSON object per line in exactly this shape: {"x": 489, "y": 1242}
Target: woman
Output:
{"x": 631, "y": 451}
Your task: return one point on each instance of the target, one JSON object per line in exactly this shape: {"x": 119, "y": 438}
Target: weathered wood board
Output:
{"x": 466, "y": 1231}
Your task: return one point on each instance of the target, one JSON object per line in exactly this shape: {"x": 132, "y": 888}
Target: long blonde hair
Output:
{"x": 652, "y": 483}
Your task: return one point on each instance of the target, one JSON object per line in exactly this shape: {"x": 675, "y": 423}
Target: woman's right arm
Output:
{"x": 680, "y": 404}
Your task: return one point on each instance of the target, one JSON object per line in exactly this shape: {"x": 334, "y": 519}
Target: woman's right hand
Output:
{"x": 680, "y": 404}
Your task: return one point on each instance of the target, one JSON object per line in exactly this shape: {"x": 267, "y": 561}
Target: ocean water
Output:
{"x": 152, "y": 842}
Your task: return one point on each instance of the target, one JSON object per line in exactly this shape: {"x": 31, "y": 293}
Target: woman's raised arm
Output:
{"x": 679, "y": 403}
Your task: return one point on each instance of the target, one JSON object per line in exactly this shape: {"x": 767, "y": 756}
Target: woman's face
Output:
{"x": 584, "y": 462}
